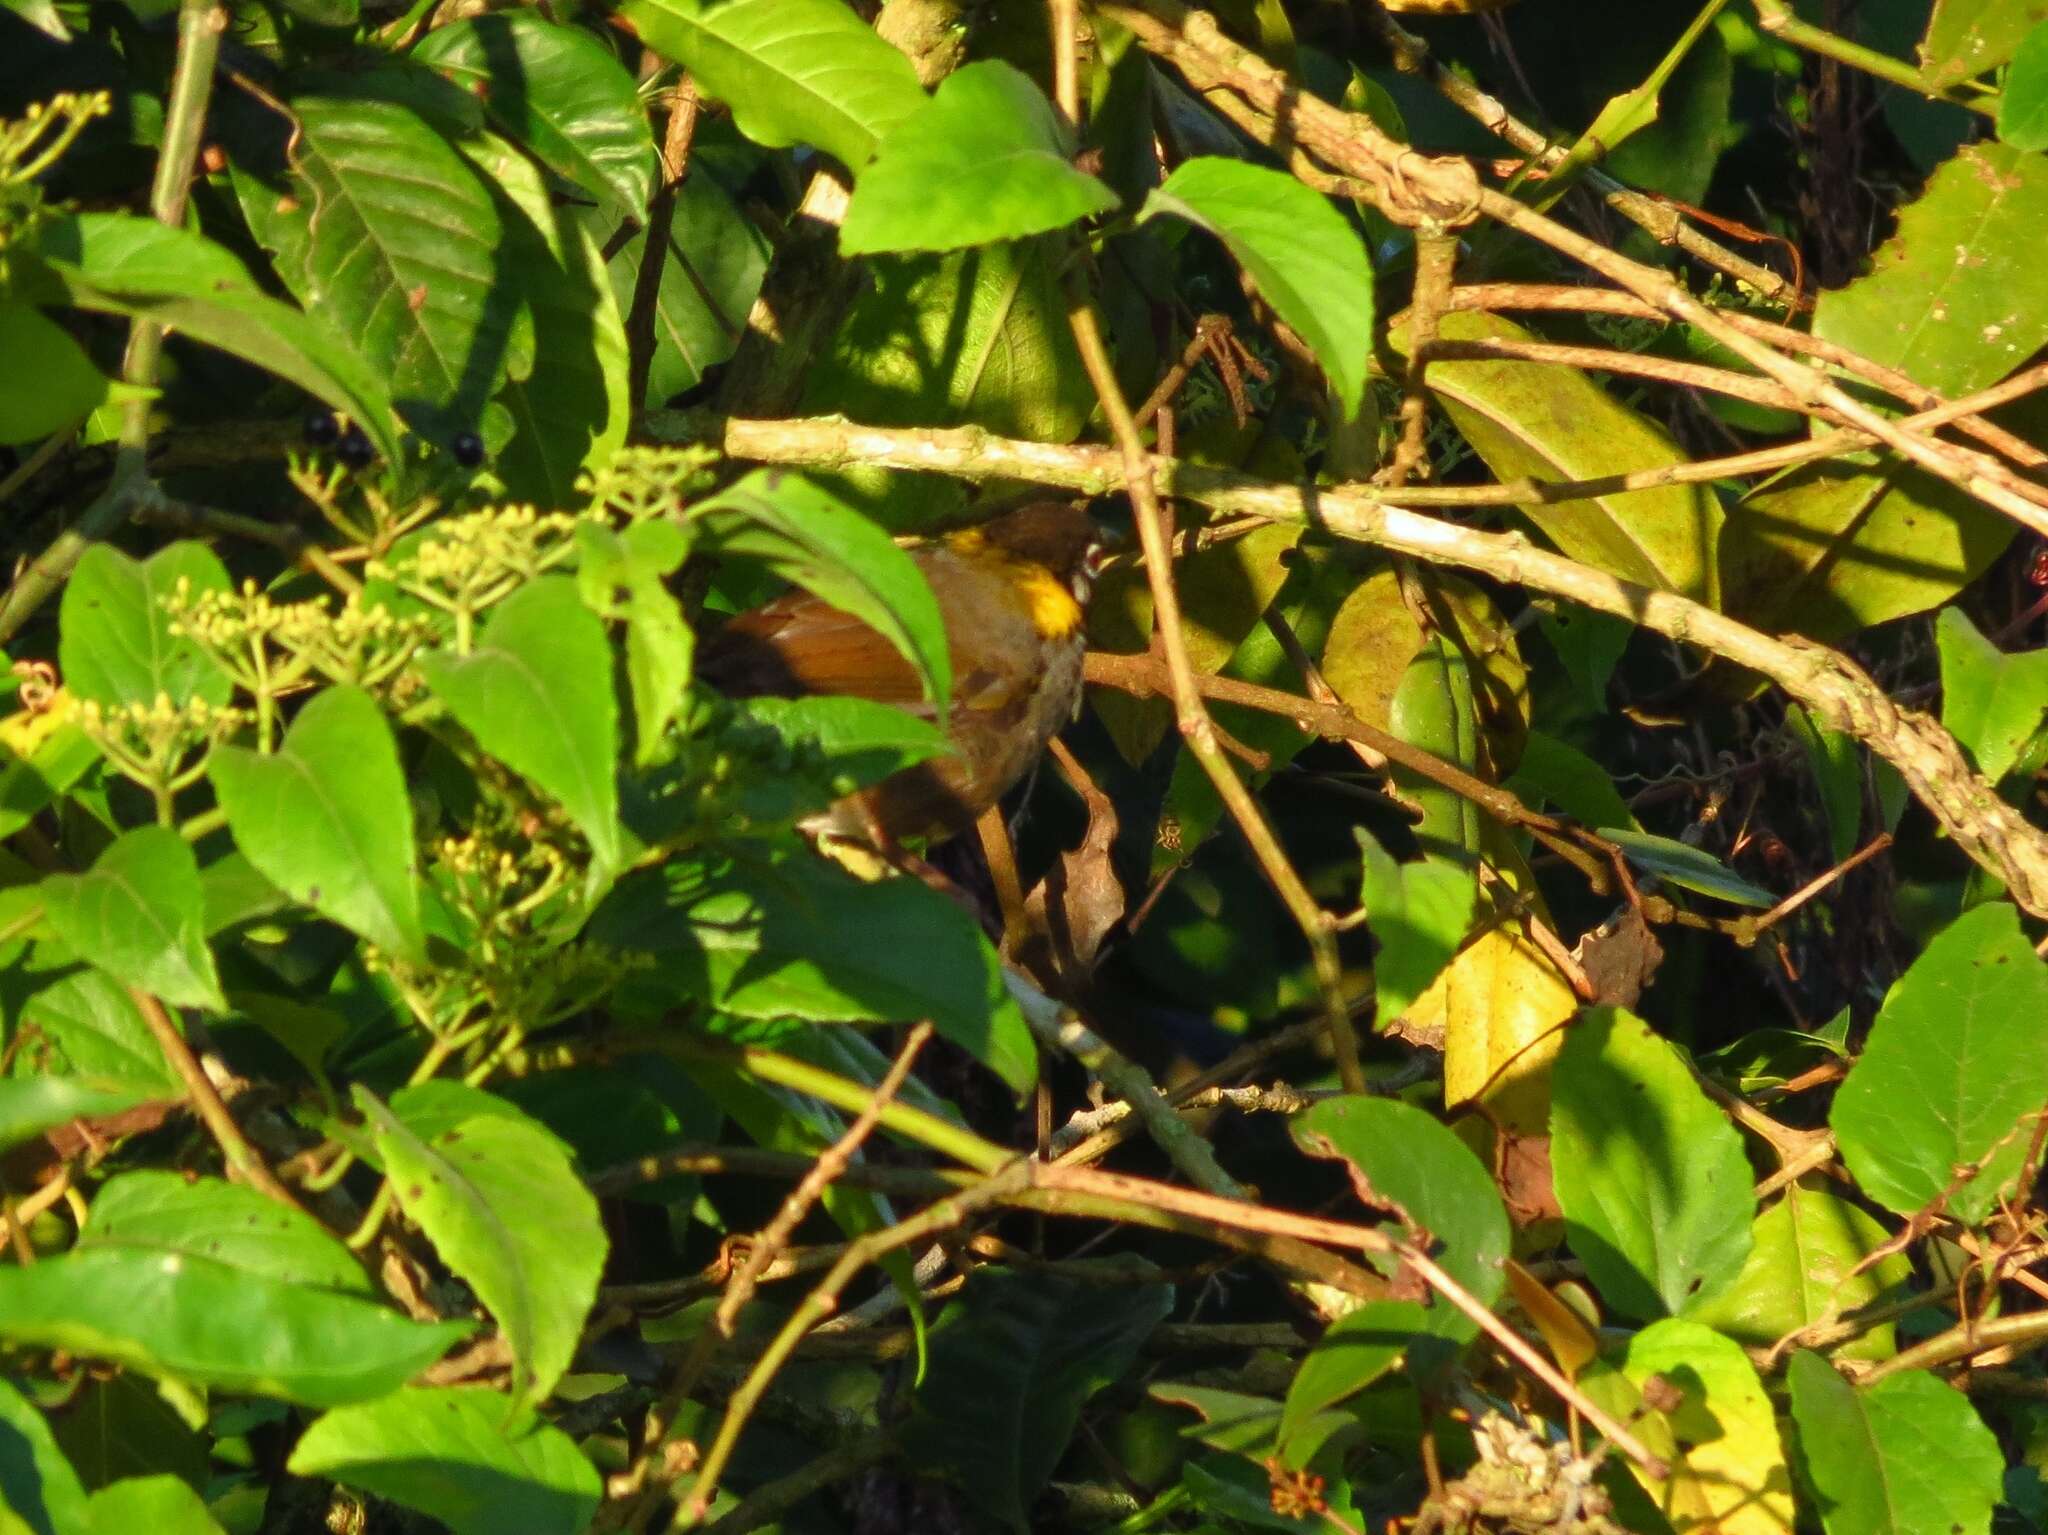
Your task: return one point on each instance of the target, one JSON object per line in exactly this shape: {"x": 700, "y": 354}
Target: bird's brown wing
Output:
{"x": 798, "y": 645}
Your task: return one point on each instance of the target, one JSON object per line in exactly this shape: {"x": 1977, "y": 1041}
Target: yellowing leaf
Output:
{"x": 1728, "y": 1475}
{"x": 1501, "y": 1006}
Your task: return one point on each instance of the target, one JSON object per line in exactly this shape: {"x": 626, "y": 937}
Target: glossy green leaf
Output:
{"x": 465, "y": 1456}
{"x": 31, "y": 1105}
{"x": 767, "y": 938}
{"x": 569, "y": 398}
{"x": 1952, "y": 1072}
{"x": 1687, "y": 867}
{"x": 1536, "y": 420}
{"x": 1403, "y": 1160}
{"x": 39, "y": 1492}
{"x": 1837, "y": 766}
{"x": 557, "y": 90}
{"x": 1903, "y": 1456}
{"x": 709, "y": 277}
{"x": 1832, "y": 549}
{"x": 498, "y": 1196}
{"x": 118, "y": 263}
{"x": 42, "y": 15}
{"x": 1991, "y": 702}
{"x": 1590, "y": 645}
{"x": 1803, "y": 1256}
{"x": 1013, "y": 1361}
{"x": 1967, "y": 37}
{"x": 805, "y": 534}
{"x": 327, "y": 819}
{"x": 1307, "y": 259}
{"x": 2023, "y": 105}
{"x": 536, "y": 692}
{"x": 1728, "y": 1470}
{"x": 213, "y": 1284}
{"x": 406, "y": 259}
{"x": 1418, "y": 914}
{"x": 118, "y": 645}
{"x": 162, "y": 1505}
{"x": 1433, "y": 707}
{"x": 986, "y": 159}
{"x": 49, "y": 383}
{"x": 138, "y": 915}
{"x": 792, "y": 71}
{"x": 1651, "y": 1176}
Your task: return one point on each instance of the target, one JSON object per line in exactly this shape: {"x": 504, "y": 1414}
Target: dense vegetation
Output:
{"x": 1518, "y": 1006}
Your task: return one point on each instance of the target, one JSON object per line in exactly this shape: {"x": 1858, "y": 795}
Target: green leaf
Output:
{"x": 1967, "y": 37}
{"x": 537, "y": 695}
{"x": 117, "y": 645}
{"x": 466, "y": 1456}
{"x": 122, "y": 1427}
{"x": 38, "y": 1488}
{"x": 568, "y": 398}
{"x": 1903, "y": 1456}
{"x": 792, "y": 71}
{"x": 327, "y": 819}
{"x": 986, "y": 159}
{"x": 42, "y": 756}
{"x": 393, "y": 240}
{"x": 2023, "y": 105}
{"x": 709, "y": 277}
{"x": 1433, "y": 707}
{"x": 805, "y": 534}
{"x": 1402, "y": 1160}
{"x": 557, "y": 90}
{"x": 1400, "y": 1156}
{"x": 91, "y": 1025}
{"x": 1838, "y": 775}
{"x": 138, "y": 914}
{"x": 31, "y": 1105}
{"x": 1802, "y": 1268}
{"x": 838, "y": 745}
{"x": 1952, "y": 1072}
{"x": 1013, "y": 1361}
{"x": 49, "y": 383}
{"x": 624, "y": 576}
{"x": 162, "y": 1505}
{"x": 1418, "y": 914}
{"x": 1832, "y": 549}
{"x": 1562, "y": 776}
{"x": 1306, "y": 258}
{"x": 118, "y": 263}
{"x": 215, "y": 1285}
{"x": 1991, "y": 702}
{"x": 767, "y": 938}
{"x": 1650, "y": 1175}
{"x": 497, "y": 1195}
{"x": 1539, "y": 421}
{"x": 1687, "y": 867}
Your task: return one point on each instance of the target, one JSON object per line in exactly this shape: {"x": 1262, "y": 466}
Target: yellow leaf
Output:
{"x": 1502, "y": 1007}
{"x": 1729, "y": 1475}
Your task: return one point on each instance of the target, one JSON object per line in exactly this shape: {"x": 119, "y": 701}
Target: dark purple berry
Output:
{"x": 320, "y": 428}
{"x": 354, "y": 449}
{"x": 468, "y": 449}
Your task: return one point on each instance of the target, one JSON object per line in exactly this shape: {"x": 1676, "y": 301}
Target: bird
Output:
{"x": 1013, "y": 593}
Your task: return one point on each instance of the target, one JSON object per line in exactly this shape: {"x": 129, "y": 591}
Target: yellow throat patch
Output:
{"x": 1054, "y": 612}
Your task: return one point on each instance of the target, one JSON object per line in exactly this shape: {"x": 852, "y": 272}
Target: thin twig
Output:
{"x": 242, "y": 1157}
{"x": 1820, "y": 882}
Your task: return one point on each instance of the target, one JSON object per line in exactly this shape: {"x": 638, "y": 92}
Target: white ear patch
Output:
{"x": 1093, "y": 561}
